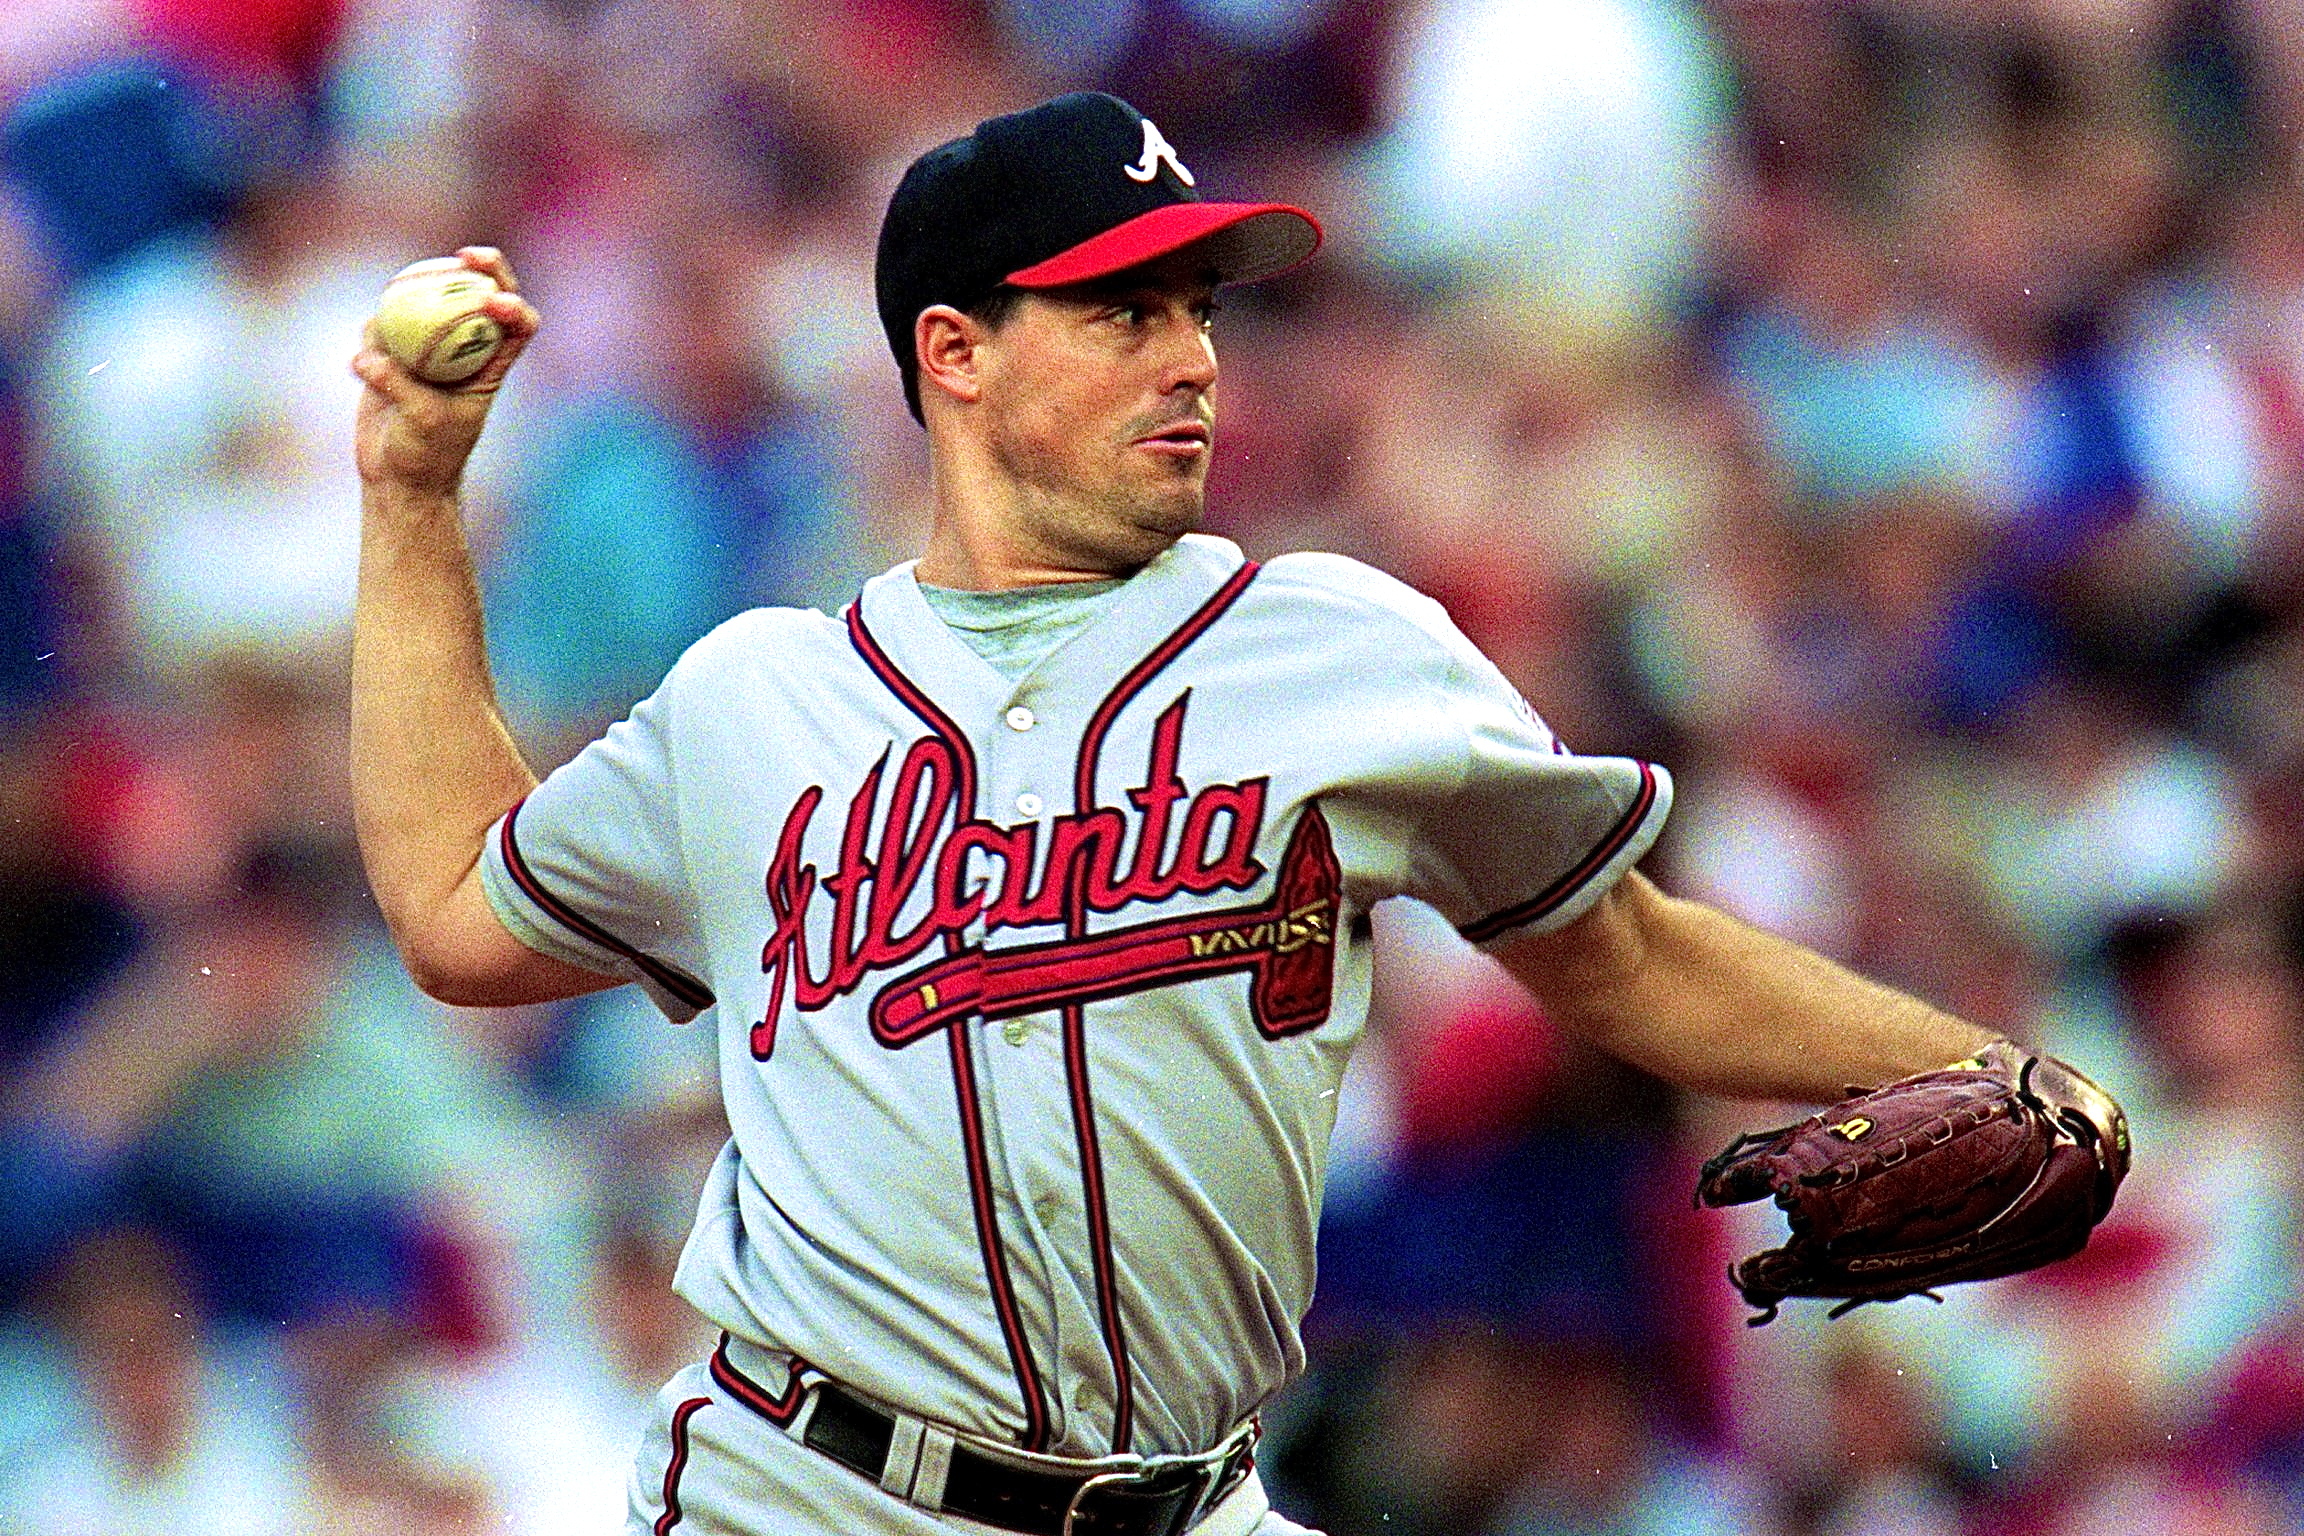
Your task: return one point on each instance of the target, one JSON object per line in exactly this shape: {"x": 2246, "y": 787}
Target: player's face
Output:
{"x": 1099, "y": 414}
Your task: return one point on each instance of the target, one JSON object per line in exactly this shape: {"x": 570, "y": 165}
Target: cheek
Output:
{"x": 1061, "y": 421}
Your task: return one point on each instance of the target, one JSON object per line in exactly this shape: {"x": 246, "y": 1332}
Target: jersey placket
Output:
{"x": 1078, "y": 1242}
{"x": 999, "y": 1217}
{"x": 1031, "y": 755}
{"x": 1026, "y": 771}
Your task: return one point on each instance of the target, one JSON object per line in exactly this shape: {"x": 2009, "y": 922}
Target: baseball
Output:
{"x": 431, "y": 319}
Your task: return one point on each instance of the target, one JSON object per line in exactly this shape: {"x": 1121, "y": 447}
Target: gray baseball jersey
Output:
{"x": 1034, "y": 996}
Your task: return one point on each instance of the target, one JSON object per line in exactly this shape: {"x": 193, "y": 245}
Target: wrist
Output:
{"x": 398, "y": 501}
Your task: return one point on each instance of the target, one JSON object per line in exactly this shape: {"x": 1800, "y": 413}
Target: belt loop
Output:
{"x": 903, "y": 1456}
{"x": 935, "y": 1466}
{"x": 1241, "y": 1458}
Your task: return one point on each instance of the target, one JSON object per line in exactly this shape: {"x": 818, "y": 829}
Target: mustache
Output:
{"x": 1202, "y": 413}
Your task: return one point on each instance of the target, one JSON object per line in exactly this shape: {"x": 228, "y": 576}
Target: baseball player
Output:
{"x": 1029, "y": 894}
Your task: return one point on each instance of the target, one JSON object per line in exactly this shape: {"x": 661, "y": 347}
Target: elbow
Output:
{"x": 458, "y": 952}
{"x": 458, "y": 986}
{"x": 434, "y": 977}
{"x": 441, "y": 969}
{"x": 445, "y": 963}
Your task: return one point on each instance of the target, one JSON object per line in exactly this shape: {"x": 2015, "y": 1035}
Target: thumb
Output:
{"x": 381, "y": 372}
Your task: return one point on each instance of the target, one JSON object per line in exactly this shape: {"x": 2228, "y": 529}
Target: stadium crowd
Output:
{"x": 1887, "y": 413}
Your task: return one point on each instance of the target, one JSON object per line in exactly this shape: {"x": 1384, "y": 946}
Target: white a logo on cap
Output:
{"x": 1156, "y": 149}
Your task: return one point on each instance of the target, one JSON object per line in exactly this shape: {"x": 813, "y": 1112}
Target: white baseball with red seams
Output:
{"x": 1093, "y": 1232}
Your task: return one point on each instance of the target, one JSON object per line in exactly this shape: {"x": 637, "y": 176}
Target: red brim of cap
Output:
{"x": 1246, "y": 242}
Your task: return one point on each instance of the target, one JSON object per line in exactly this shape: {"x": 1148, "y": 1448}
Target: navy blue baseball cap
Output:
{"x": 1071, "y": 190}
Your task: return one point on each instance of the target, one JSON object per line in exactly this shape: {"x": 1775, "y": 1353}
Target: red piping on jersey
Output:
{"x": 679, "y": 983}
{"x": 678, "y": 1464}
{"x": 779, "y": 1411}
{"x": 988, "y": 1241}
{"x": 1556, "y": 895}
{"x": 963, "y": 753}
{"x": 1100, "y": 723}
{"x": 1075, "y": 1025}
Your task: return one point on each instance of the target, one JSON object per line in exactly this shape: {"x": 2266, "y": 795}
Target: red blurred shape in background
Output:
{"x": 2120, "y": 1253}
{"x": 286, "y": 38}
{"x": 1479, "y": 1077}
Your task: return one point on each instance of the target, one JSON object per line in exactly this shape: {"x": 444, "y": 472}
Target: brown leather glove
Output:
{"x": 1996, "y": 1164}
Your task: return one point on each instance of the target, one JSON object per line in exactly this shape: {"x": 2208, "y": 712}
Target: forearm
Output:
{"x": 432, "y": 764}
{"x": 1691, "y": 994}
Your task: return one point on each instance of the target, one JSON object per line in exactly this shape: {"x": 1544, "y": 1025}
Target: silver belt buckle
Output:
{"x": 1100, "y": 1480}
{"x": 1210, "y": 1468}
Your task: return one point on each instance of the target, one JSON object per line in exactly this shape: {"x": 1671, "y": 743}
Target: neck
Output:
{"x": 991, "y": 564}
{"x": 983, "y": 541}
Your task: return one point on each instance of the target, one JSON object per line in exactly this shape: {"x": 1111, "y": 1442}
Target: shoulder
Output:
{"x": 1334, "y": 588}
{"x": 1399, "y": 630}
{"x": 756, "y": 641}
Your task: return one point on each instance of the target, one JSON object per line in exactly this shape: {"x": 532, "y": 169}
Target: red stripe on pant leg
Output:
{"x": 678, "y": 1464}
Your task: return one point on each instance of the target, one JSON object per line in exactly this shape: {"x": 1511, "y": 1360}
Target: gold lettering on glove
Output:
{"x": 1855, "y": 1129}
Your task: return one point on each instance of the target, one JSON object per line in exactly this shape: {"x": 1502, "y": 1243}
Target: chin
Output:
{"x": 1169, "y": 520}
{"x": 1121, "y": 533}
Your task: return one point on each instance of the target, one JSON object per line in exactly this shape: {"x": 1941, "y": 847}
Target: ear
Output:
{"x": 948, "y": 345}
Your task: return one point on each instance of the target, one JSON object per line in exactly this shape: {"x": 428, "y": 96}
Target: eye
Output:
{"x": 1205, "y": 312}
{"x": 1128, "y": 314}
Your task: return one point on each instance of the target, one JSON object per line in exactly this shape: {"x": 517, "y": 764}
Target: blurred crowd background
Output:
{"x": 1887, "y": 413}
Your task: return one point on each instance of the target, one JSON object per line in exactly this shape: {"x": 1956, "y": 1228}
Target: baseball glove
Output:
{"x": 1996, "y": 1164}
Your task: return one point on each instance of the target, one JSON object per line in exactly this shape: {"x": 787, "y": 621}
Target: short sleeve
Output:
{"x": 1532, "y": 834}
{"x": 588, "y": 869}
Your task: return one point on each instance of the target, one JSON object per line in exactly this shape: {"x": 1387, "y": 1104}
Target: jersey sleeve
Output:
{"x": 1531, "y": 835}
{"x": 588, "y": 869}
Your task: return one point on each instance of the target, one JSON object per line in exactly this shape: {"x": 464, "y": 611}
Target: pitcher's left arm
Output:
{"x": 1685, "y": 991}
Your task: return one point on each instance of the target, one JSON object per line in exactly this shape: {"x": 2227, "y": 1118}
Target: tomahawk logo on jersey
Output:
{"x": 1058, "y": 974}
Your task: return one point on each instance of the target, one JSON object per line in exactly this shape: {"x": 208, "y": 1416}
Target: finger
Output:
{"x": 491, "y": 260}
{"x": 490, "y": 378}
{"x": 520, "y": 322}
{"x": 515, "y": 314}
{"x": 380, "y": 371}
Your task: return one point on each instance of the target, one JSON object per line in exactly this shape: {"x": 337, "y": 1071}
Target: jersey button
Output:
{"x": 1028, "y": 805}
{"x": 1015, "y": 1031}
{"x": 1021, "y": 719}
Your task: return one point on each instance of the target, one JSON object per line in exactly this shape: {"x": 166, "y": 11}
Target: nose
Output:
{"x": 1188, "y": 362}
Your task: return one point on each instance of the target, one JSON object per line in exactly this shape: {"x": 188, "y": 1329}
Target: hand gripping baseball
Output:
{"x": 416, "y": 434}
{"x": 2000, "y": 1163}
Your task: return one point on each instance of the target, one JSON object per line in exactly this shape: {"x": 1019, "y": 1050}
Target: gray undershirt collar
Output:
{"x": 1017, "y": 629}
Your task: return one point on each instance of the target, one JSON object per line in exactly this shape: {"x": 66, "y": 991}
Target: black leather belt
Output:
{"x": 1161, "y": 1501}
